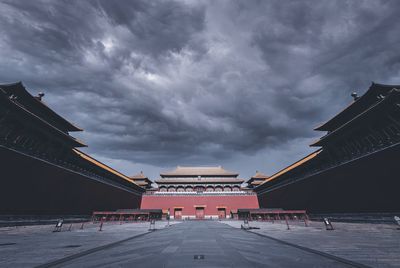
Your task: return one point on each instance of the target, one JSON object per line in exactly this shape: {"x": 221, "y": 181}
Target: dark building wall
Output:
{"x": 369, "y": 184}
{"x": 31, "y": 186}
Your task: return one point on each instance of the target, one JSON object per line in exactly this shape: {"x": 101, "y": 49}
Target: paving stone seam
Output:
{"x": 310, "y": 250}
{"x": 89, "y": 251}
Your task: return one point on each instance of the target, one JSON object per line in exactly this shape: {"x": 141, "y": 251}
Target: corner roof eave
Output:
{"x": 322, "y": 140}
{"x": 373, "y": 89}
{"x": 74, "y": 142}
{"x": 22, "y": 90}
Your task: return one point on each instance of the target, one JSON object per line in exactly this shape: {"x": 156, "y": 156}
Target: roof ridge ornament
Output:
{"x": 355, "y": 95}
{"x": 40, "y": 95}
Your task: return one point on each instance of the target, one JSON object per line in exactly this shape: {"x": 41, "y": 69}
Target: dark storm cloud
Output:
{"x": 170, "y": 82}
{"x": 158, "y": 26}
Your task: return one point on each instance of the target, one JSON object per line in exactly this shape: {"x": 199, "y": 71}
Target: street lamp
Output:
{"x": 168, "y": 215}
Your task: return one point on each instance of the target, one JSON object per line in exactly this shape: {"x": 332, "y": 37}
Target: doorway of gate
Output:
{"x": 177, "y": 213}
{"x": 222, "y": 213}
{"x": 199, "y": 213}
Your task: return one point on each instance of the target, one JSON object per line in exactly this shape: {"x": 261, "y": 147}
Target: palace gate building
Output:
{"x": 356, "y": 168}
{"x": 42, "y": 169}
{"x": 198, "y": 193}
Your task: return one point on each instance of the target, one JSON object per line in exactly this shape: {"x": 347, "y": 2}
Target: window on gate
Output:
{"x": 199, "y": 189}
{"x": 227, "y": 189}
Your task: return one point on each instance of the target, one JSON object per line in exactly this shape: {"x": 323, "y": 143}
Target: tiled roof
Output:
{"x": 141, "y": 180}
{"x": 139, "y": 176}
{"x": 357, "y": 107}
{"x": 258, "y": 178}
{"x": 260, "y": 175}
{"x": 141, "y": 183}
{"x": 101, "y": 165}
{"x": 199, "y": 171}
{"x": 35, "y": 105}
{"x": 292, "y": 166}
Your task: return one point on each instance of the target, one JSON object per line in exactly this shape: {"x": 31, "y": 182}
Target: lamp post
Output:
{"x": 397, "y": 220}
{"x": 168, "y": 215}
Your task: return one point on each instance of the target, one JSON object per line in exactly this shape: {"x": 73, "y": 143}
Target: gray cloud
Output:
{"x": 169, "y": 82}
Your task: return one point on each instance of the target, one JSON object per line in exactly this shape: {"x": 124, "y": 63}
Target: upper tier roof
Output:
{"x": 368, "y": 114}
{"x": 199, "y": 171}
{"x": 356, "y": 107}
{"x": 260, "y": 175}
{"x": 139, "y": 176}
{"x": 37, "y": 106}
{"x": 141, "y": 179}
{"x": 258, "y": 178}
{"x": 31, "y": 118}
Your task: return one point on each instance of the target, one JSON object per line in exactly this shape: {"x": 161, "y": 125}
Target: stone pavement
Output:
{"x": 202, "y": 244}
{"x": 375, "y": 245}
{"x": 31, "y": 246}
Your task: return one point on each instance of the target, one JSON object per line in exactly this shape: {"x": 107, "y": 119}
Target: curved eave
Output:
{"x": 256, "y": 181}
{"x": 373, "y": 91}
{"x": 67, "y": 138}
{"x": 22, "y": 90}
{"x": 79, "y": 143}
{"x": 138, "y": 181}
{"x": 69, "y": 126}
{"x": 360, "y": 116}
{"x": 249, "y": 181}
{"x": 326, "y": 126}
{"x": 316, "y": 143}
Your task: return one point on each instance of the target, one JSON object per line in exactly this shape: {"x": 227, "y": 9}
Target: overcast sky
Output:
{"x": 241, "y": 84}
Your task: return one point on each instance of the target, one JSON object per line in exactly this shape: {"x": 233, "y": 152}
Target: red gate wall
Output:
{"x": 189, "y": 203}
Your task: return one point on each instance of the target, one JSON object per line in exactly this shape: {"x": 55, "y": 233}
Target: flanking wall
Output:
{"x": 31, "y": 186}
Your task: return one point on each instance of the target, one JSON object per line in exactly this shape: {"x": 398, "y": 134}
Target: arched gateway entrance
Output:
{"x": 221, "y": 213}
{"x": 178, "y": 213}
{"x": 199, "y": 212}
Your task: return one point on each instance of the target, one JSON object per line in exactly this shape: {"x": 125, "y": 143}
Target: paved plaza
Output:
{"x": 31, "y": 246}
{"x": 201, "y": 244}
{"x": 374, "y": 245}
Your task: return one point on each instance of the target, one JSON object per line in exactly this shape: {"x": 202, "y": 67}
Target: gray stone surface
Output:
{"x": 201, "y": 244}
{"x": 219, "y": 244}
{"x": 375, "y": 245}
{"x": 34, "y": 245}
